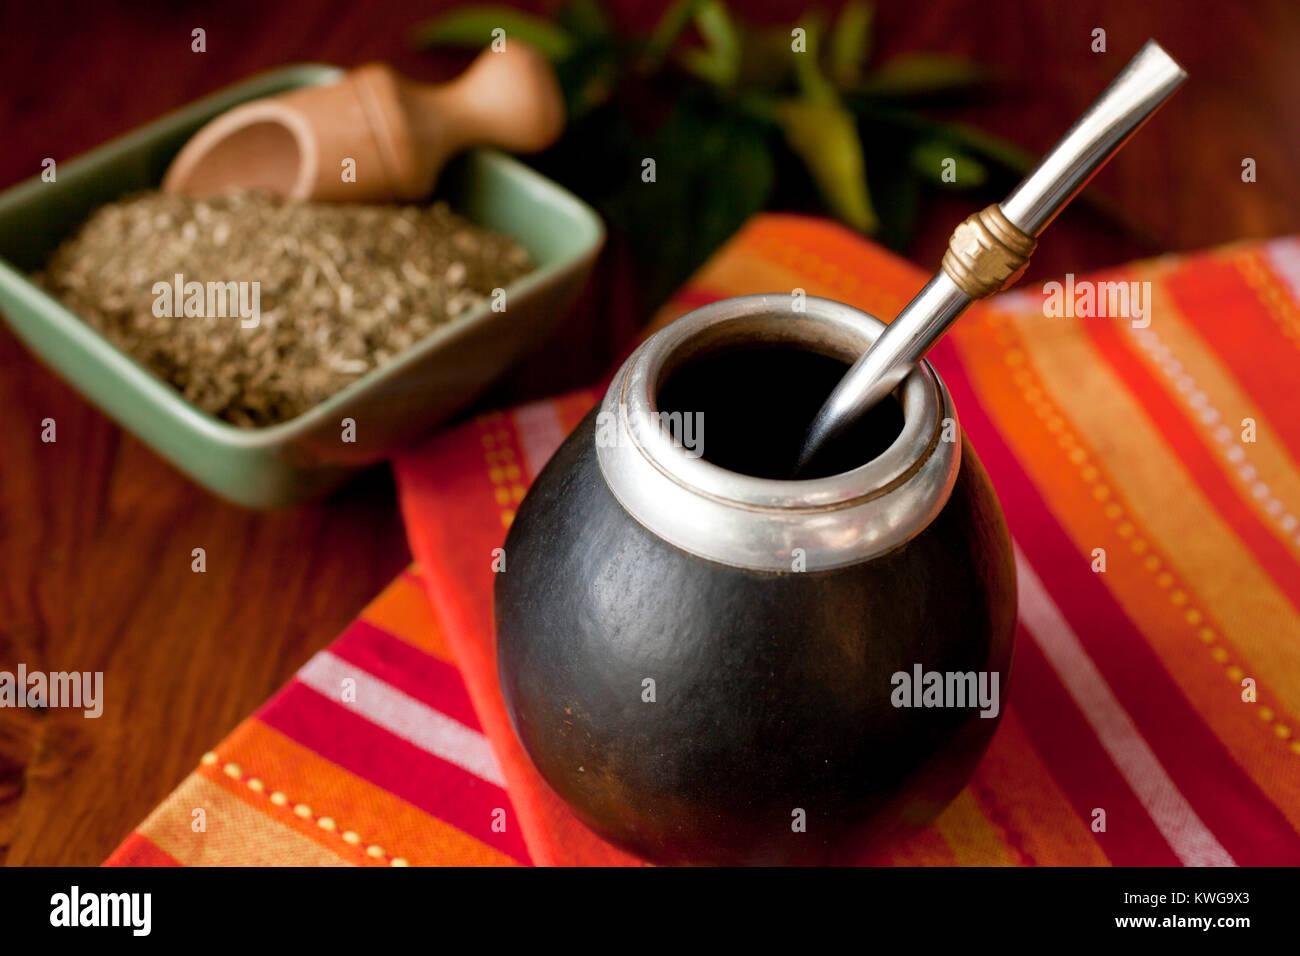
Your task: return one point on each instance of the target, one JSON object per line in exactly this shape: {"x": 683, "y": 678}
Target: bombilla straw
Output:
{"x": 990, "y": 250}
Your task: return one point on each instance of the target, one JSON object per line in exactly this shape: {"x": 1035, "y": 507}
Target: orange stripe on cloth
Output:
{"x": 781, "y": 253}
{"x": 344, "y": 813}
{"x": 974, "y": 841}
{"x": 402, "y": 609}
{"x": 233, "y": 833}
{"x": 832, "y": 259}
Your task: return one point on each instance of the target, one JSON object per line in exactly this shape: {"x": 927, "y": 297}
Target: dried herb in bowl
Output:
{"x": 256, "y": 309}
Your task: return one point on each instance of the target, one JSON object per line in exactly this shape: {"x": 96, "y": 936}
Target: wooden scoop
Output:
{"x": 398, "y": 132}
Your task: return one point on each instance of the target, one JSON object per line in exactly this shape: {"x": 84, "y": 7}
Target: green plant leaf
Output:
{"x": 666, "y": 32}
{"x": 718, "y": 61}
{"x": 714, "y": 24}
{"x": 473, "y": 26}
{"x": 825, "y": 137}
{"x": 1001, "y": 151}
{"x": 923, "y": 74}
{"x": 928, "y": 159}
{"x": 807, "y": 65}
{"x": 985, "y": 145}
{"x": 851, "y": 42}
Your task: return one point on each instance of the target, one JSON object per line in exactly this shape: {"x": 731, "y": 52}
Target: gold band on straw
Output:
{"x": 987, "y": 253}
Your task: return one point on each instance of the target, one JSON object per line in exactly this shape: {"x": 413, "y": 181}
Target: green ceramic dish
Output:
{"x": 392, "y": 405}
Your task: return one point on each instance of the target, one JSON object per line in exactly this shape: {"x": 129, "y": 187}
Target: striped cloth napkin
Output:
{"x": 1155, "y": 708}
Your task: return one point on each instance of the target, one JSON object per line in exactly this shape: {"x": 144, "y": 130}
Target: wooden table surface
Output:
{"x": 96, "y": 532}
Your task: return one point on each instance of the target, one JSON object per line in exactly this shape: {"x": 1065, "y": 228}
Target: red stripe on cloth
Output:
{"x": 367, "y": 750}
{"x": 407, "y": 668}
{"x": 138, "y": 850}
{"x": 1226, "y": 799}
{"x": 1237, "y": 326}
{"x": 1191, "y": 446}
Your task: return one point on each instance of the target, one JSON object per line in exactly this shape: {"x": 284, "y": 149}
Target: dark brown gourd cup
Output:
{"x": 712, "y": 664}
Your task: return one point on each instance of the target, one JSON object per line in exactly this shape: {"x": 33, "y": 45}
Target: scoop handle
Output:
{"x": 991, "y": 249}
{"x": 508, "y": 98}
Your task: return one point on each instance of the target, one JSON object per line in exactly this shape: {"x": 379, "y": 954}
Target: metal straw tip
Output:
{"x": 805, "y": 455}
{"x": 1156, "y": 52}
{"x": 830, "y": 420}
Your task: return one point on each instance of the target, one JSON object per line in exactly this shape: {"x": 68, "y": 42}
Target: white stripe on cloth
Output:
{"x": 404, "y": 716}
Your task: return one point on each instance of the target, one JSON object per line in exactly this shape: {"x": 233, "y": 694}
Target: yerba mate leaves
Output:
{"x": 338, "y": 290}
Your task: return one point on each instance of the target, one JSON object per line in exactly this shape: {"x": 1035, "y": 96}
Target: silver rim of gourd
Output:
{"x": 761, "y": 523}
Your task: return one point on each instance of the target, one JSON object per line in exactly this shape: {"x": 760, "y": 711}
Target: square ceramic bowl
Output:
{"x": 392, "y": 405}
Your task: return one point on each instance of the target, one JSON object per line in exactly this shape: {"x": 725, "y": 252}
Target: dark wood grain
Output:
{"x": 96, "y": 532}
